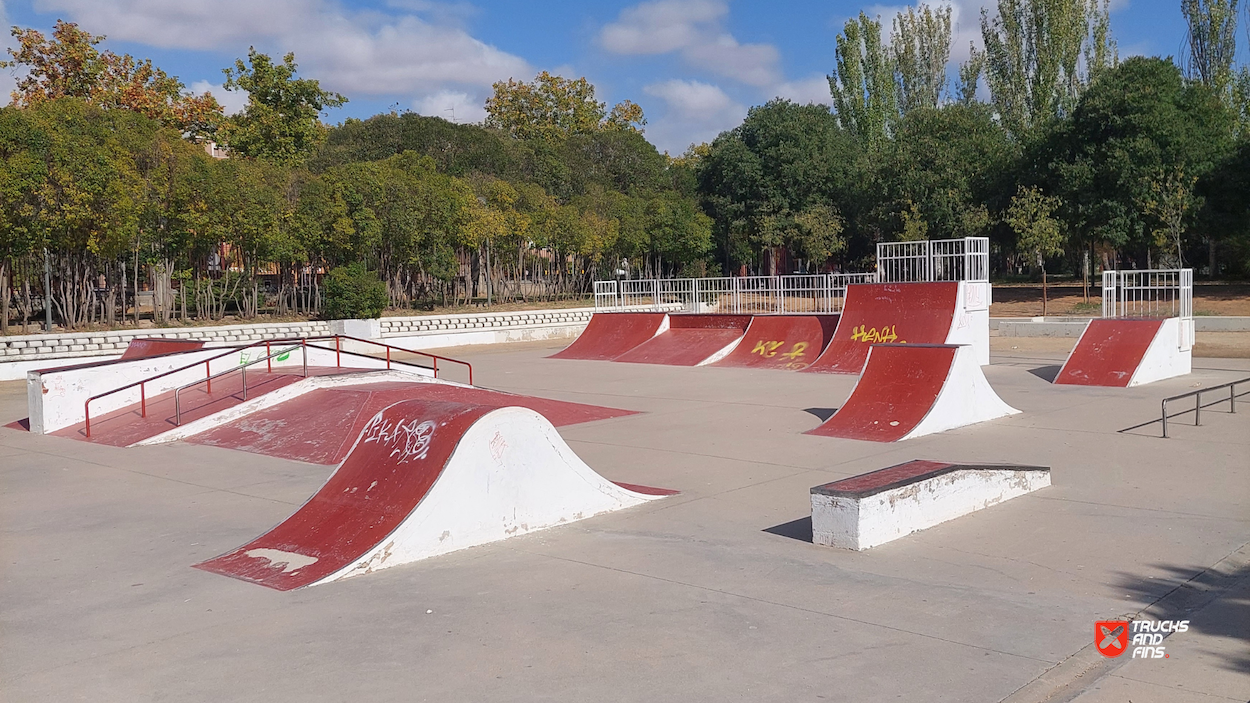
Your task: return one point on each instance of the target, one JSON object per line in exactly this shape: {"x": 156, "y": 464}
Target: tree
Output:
{"x": 354, "y": 292}
{"x": 783, "y": 162}
{"x": 1139, "y": 120}
{"x": 281, "y": 122}
{"x": 554, "y": 107}
{"x": 1170, "y": 201}
{"x": 1038, "y": 232}
{"x": 942, "y": 169}
{"x": 69, "y": 65}
{"x": 862, "y": 84}
{"x": 1212, "y": 43}
{"x": 921, "y": 46}
{"x": 1033, "y": 51}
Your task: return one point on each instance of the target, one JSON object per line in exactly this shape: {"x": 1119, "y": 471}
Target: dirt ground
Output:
{"x": 1026, "y": 300}
{"x": 1225, "y": 345}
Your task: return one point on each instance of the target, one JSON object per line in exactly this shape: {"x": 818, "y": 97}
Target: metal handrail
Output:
{"x": 435, "y": 357}
{"x": 143, "y": 404}
{"x": 1197, "y": 409}
{"x": 242, "y": 368}
{"x": 303, "y": 342}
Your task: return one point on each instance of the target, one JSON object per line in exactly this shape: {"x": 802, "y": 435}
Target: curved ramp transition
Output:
{"x": 426, "y": 478}
{"x": 911, "y": 390}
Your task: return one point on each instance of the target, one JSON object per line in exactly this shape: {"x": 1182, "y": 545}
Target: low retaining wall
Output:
{"x": 1074, "y": 326}
{"x": 22, "y": 353}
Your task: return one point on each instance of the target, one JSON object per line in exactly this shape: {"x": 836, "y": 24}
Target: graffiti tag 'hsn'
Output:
{"x": 407, "y": 439}
{"x": 885, "y": 335}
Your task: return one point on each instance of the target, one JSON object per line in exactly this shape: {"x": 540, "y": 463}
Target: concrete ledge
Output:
{"x": 878, "y": 507}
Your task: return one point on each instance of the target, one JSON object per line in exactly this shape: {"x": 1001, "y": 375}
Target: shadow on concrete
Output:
{"x": 800, "y": 529}
{"x": 822, "y": 413}
{"x": 1227, "y": 615}
{"x": 1046, "y": 373}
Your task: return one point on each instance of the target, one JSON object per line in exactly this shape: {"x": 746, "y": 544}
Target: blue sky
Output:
{"x": 695, "y": 66}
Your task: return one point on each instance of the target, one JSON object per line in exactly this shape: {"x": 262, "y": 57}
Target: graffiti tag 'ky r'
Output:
{"x": 768, "y": 350}
{"x": 885, "y": 335}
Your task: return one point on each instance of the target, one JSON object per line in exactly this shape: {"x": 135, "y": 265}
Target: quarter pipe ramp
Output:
{"x": 691, "y": 340}
{"x": 1122, "y": 352}
{"x": 889, "y": 313}
{"x": 782, "y": 341}
{"x": 611, "y": 334}
{"x": 911, "y": 390}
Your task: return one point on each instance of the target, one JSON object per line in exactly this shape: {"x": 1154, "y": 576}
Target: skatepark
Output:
{"x": 632, "y": 516}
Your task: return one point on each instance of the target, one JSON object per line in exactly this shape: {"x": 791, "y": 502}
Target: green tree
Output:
{"x": 1039, "y": 234}
{"x": 1137, "y": 121}
{"x": 1212, "y": 43}
{"x": 921, "y": 47}
{"x": 70, "y": 65}
{"x": 354, "y": 292}
{"x": 862, "y": 83}
{"x": 554, "y": 107}
{"x": 281, "y": 122}
{"x": 1033, "y": 52}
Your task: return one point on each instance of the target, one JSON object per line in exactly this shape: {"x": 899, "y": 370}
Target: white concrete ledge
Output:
{"x": 878, "y": 507}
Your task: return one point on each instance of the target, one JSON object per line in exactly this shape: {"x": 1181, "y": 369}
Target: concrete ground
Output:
{"x": 716, "y": 594}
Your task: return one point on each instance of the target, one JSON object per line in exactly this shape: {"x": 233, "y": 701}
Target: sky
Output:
{"x": 695, "y": 66}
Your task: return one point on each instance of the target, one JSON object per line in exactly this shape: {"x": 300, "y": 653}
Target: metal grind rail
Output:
{"x": 241, "y": 368}
{"x": 1197, "y": 395}
{"x": 298, "y": 343}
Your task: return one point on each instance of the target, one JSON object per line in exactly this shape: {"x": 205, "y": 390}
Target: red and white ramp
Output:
{"x": 782, "y": 342}
{"x": 911, "y": 390}
{"x": 611, "y": 334}
{"x": 1121, "y": 352}
{"x": 691, "y": 340}
{"x": 944, "y": 312}
{"x": 427, "y": 478}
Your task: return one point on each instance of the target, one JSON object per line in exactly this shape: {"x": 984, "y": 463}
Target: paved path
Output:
{"x": 711, "y": 595}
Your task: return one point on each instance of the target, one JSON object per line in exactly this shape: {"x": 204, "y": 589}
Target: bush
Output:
{"x": 354, "y": 292}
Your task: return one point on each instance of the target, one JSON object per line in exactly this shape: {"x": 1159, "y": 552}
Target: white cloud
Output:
{"x": 352, "y": 52}
{"x": 451, "y": 105}
{"x": 663, "y": 26}
{"x": 695, "y": 112}
{"x": 693, "y": 28}
{"x": 230, "y": 101}
{"x": 813, "y": 89}
{"x": 8, "y": 77}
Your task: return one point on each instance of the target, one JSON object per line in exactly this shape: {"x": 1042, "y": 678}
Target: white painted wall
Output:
{"x": 971, "y": 325}
{"x": 1170, "y": 353}
{"x": 862, "y": 523}
{"x": 965, "y": 399}
{"x": 55, "y": 397}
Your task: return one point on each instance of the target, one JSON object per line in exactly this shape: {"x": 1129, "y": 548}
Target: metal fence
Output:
{"x": 1148, "y": 293}
{"x": 807, "y": 293}
{"x": 966, "y": 259}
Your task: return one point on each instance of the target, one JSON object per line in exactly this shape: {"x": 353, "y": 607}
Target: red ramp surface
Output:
{"x": 690, "y": 340}
{"x": 426, "y": 478}
{"x": 143, "y": 347}
{"x": 888, "y": 313}
{"x": 1109, "y": 352}
{"x": 320, "y": 426}
{"x": 910, "y": 390}
{"x": 611, "y": 334}
{"x": 782, "y": 341}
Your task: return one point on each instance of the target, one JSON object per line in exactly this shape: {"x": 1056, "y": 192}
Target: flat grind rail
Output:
{"x": 241, "y": 368}
{"x": 1197, "y": 395}
{"x": 299, "y": 342}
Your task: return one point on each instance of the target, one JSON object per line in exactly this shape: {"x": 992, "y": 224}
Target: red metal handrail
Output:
{"x": 143, "y": 406}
